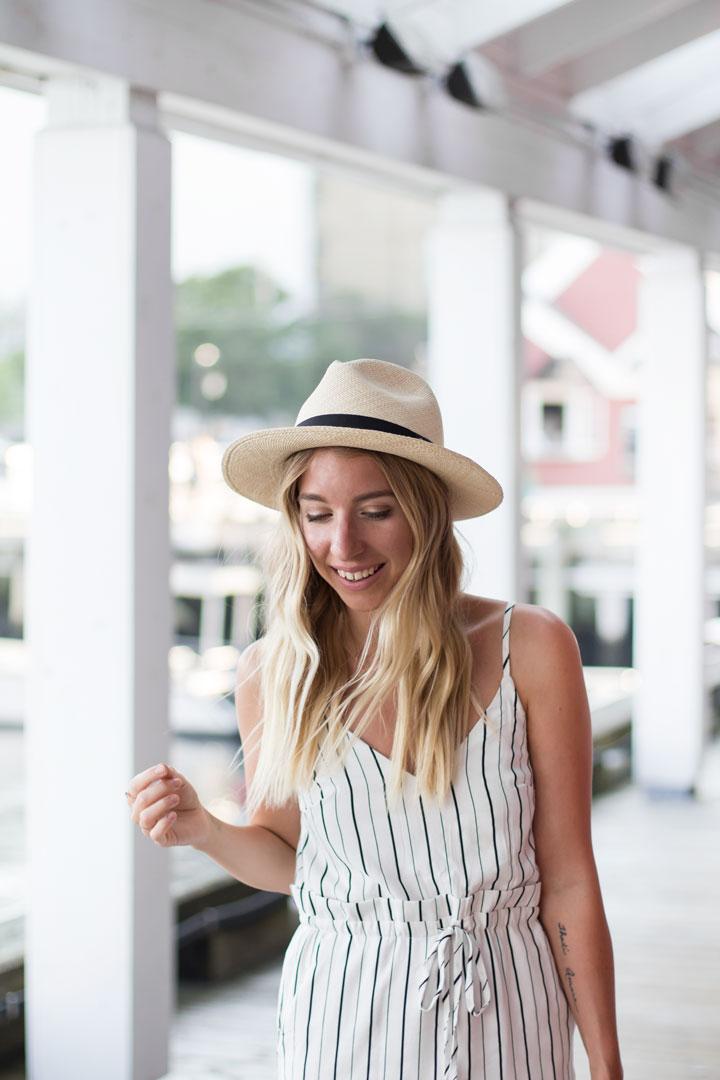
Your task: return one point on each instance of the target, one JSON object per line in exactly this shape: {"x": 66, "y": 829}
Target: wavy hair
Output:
{"x": 416, "y": 656}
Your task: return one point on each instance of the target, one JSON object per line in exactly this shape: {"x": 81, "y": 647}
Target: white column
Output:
{"x": 100, "y": 378}
{"x": 212, "y": 621}
{"x": 474, "y": 363}
{"x": 611, "y": 616}
{"x": 669, "y": 723}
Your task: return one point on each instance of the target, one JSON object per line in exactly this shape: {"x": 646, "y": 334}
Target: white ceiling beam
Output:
{"x": 247, "y": 78}
{"x": 579, "y": 28}
{"x": 438, "y": 32}
{"x": 705, "y": 142}
{"x": 692, "y": 110}
{"x": 452, "y": 26}
{"x": 642, "y": 45}
{"x": 663, "y": 99}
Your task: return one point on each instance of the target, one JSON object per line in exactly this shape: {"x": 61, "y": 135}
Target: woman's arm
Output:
{"x": 167, "y": 809}
{"x": 548, "y": 674}
{"x": 252, "y": 853}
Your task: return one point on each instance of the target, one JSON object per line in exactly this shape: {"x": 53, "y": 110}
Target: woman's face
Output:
{"x": 358, "y": 538}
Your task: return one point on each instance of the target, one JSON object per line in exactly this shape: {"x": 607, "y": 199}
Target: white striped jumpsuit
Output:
{"x": 419, "y": 952}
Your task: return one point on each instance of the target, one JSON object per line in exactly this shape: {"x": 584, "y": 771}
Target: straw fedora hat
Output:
{"x": 371, "y": 405}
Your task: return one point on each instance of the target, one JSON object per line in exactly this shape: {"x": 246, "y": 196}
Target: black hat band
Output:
{"x": 366, "y": 423}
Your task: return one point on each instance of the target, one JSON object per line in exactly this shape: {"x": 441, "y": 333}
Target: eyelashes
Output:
{"x": 368, "y": 515}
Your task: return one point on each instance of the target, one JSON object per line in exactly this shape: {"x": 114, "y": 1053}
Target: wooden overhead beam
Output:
{"x": 434, "y": 31}
{"x": 705, "y": 142}
{"x": 248, "y": 78}
{"x": 642, "y": 45}
{"x": 579, "y": 28}
{"x": 663, "y": 99}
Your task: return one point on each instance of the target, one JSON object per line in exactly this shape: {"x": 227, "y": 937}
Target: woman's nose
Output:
{"x": 346, "y": 541}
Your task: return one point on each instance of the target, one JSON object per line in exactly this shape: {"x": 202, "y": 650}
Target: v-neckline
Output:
{"x": 461, "y": 744}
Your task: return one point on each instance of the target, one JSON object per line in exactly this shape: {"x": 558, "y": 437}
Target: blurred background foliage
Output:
{"x": 271, "y": 356}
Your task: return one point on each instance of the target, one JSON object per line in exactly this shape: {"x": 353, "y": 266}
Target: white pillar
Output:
{"x": 100, "y": 378}
{"x": 669, "y": 722}
{"x": 212, "y": 621}
{"x": 473, "y": 366}
{"x": 611, "y": 616}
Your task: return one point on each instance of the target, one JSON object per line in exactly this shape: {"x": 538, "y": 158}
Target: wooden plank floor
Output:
{"x": 659, "y": 863}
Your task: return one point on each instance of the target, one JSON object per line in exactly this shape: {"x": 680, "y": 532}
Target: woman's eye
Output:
{"x": 368, "y": 515}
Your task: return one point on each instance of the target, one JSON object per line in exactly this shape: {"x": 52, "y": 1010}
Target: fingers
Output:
{"x": 150, "y": 789}
{"x": 149, "y": 776}
{"x": 159, "y": 832}
{"x": 149, "y": 795}
{"x": 154, "y": 797}
{"x": 148, "y": 817}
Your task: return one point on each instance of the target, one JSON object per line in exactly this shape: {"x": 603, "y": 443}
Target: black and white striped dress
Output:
{"x": 419, "y": 952}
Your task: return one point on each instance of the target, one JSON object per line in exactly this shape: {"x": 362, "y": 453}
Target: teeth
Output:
{"x": 360, "y": 574}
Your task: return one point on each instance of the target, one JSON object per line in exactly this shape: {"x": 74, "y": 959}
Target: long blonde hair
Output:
{"x": 416, "y": 655}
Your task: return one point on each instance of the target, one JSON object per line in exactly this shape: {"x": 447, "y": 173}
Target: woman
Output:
{"x": 412, "y": 826}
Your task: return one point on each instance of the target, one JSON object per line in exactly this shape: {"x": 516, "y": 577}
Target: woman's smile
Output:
{"x": 358, "y": 577}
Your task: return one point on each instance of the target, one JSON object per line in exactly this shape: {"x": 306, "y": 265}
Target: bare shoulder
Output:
{"x": 545, "y": 660}
{"x": 543, "y": 651}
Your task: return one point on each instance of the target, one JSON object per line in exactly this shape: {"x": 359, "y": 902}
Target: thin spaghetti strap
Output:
{"x": 506, "y": 640}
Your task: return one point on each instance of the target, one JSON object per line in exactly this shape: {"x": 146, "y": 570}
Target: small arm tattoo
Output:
{"x": 570, "y": 975}
{"x": 563, "y": 936}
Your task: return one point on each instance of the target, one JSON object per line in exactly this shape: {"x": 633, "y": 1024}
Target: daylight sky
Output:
{"x": 230, "y": 206}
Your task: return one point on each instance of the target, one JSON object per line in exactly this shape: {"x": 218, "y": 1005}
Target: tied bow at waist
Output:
{"x": 454, "y": 972}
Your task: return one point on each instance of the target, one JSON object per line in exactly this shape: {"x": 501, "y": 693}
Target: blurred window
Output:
{"x": 553, "y": 417}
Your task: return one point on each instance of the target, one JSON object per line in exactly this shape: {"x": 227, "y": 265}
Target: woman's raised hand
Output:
{"x": 167, "y": 808}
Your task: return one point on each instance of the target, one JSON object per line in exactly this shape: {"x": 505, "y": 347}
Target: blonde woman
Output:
{"x": 418, "y": 761}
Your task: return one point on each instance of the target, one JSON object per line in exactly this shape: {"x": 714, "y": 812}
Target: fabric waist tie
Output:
{"x": 453, "y": 972}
